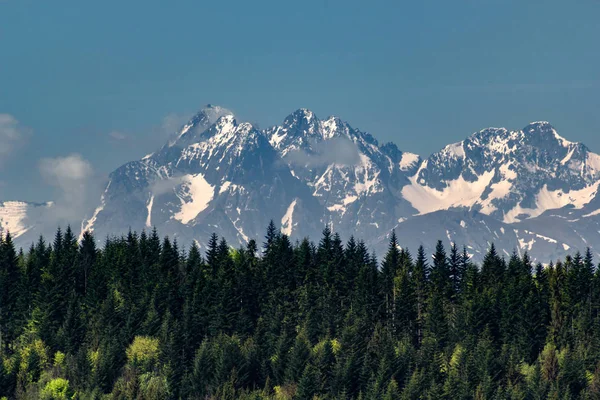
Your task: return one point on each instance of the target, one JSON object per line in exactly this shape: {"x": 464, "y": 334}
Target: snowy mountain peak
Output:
{"x": 225, "y": 124}
{"x": 536, "y": 137}
{"x": 209, "y": 114}
{"x": 304, "y": 113}
{"x": 510, "y": 175}
{"x": 200, "y": 122}
{"x": 538, "y": 125}
{"x": 333, "y": 126}
{"x": 302, "y": 122}
{"x": 545, "y": 129}
{"x": 302, "y": 129}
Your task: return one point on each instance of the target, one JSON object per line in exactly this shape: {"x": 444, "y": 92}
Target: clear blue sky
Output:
{"x": 419, "y": 73}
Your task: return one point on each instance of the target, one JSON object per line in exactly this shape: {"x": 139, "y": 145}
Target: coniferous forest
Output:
{"x": 137, "y": 317}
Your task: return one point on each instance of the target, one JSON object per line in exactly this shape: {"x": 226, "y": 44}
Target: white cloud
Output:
{"x": 171, "y": 123}
{"x": 340, "y": 150}
{"x": 12, "y": 135}
{"x": 115, "y": 135}
{"x": 65, "y": 171}
{"x": 72, "y": 176}
{"x": 138, "y": 142}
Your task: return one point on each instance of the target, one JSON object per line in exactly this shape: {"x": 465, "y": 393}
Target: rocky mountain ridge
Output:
{"x": 525, "y": 190}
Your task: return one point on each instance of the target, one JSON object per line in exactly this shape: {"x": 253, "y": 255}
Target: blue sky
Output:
{"x": 107, "y": 80}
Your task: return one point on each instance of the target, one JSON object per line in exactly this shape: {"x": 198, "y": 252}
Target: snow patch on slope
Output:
{"x": 149, "y": 207}
{"x": 196, "y": 194}
{"x": 457, "y": 193}
{"x": 287, "y": 223}
{"x": 455, "y": 150}
{"x": 548, "y": 200}
{"x": 13, "y": 215}
{"x": 342, "y": 207}
{"x": 224, "y": 187}
{"x": 499, "y": 189}
{"x": 88, "y": 226}
{"x": 593, "y": 162}
{"x": 367, "y": 177}
{"x": 593, "y": 213}
{"x": 408, "y": 160}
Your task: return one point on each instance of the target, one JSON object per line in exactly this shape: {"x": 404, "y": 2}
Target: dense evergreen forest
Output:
{"x": 140, "y": 318}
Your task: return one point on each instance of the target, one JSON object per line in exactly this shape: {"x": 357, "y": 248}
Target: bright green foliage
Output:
{"x": 56, "y": 389}
{"x": 143, "y": 353}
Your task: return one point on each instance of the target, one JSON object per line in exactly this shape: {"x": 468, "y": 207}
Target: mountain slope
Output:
{"x": 510, "y": 175}
{"x": 214, "y": 177}
{"x": 354, "y": 178}
{"x": 525, "y": 190}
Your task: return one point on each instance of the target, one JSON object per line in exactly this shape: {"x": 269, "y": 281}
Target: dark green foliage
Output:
{"x": 10, "y": 278}
{"x": 140, "y": 319}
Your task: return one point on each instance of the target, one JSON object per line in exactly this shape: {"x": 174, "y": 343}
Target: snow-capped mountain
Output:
{"x": 355, "y": 179}
{"x": 525, "y": 190}
{"x": 511, "y": 175}
{"x": 540, "y": 185}
{"x": 215, "y": 176}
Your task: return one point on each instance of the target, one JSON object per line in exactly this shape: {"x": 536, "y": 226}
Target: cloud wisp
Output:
{"x": 339, "y": 150}
{"x": 12, "y": 136}
{"x": 118, "y": 136}
{"x": 73, "y": 177}
{"x": 167, "y": 185}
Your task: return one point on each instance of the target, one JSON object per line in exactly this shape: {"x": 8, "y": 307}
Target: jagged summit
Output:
{"x": 527, "y": 189}
{"x": 201, "y": 121}
{"x": 513, "y": 176}
{"x": 540, "y": 124}
{"x": 538, "y": 130}
{"x": 546, "y": 130}
{"x": 302, "y": 130}
{"x": 210, "y": 113}
{"x": 302, "y": 122}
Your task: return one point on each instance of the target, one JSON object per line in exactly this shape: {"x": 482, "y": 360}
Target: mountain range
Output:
{"x": 527, "y": 190}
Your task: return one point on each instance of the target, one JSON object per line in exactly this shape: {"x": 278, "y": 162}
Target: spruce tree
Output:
{"x": 421, "y": 287}
{"x": 389, "y": 268}
{"x": 308, "y": 385}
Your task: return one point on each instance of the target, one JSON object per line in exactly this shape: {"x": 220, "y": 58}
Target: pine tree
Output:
{"x": 86, "y": 261}
{"x": 456, "y": 272}
{"x": 392, "y": 392}
{"x": 389, "y": 269}
{"x": 308, "y": 386}
{"x": 492, "y": 277}
{"x": 202, "y": 376}
{"x": 421, "y": 287}
{"x": 440, "y": 272}
{"x": 492, "y": 269}
{"x": 558, "y": 303}
{"x": 539, "y": 313}
{"x": 325, "y": 257}
{"x": 405, "y": 307}
{"x": 298, "y": 359}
